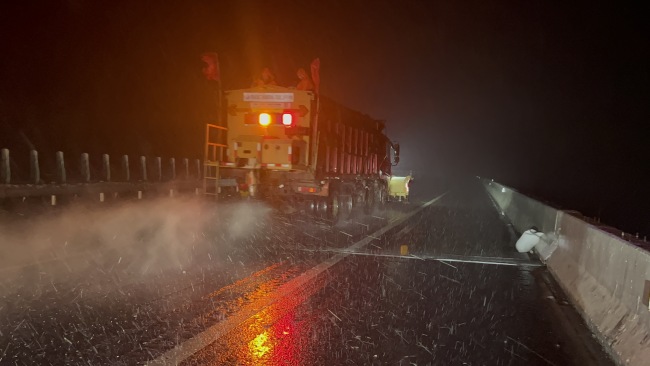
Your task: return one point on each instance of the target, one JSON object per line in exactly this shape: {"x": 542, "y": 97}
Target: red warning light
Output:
{"x": 287, "y": 119}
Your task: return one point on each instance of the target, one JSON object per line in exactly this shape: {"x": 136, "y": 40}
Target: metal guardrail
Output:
{"x": 149, "y": 176}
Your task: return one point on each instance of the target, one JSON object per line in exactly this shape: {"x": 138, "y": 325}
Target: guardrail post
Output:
{"x": 5, "y": 167}
{"x": 34, "y": 170}
{"x": 186, "y": 168}
{"x": 60, "y": 167}
{"x": 143, "y": 168}
{"x": 172, "y": 166}
{"x": 125, "y": 168}
{"x": 158, "y": 171}
{"x": 85, "y": 168}
{"x": 198, "y": 169}
{"x": 106, "y": 166}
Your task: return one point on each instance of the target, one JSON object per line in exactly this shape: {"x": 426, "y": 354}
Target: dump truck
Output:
{"x": 301, "y": 148}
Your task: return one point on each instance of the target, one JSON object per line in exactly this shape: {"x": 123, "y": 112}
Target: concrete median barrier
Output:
{"x": 606, "y": 277}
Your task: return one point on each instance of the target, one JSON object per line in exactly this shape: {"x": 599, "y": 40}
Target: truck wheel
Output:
{"x": 333, "y": 207}
{"x": 383, "y": 198}
{"x": 345, "y": 206}
{"x": 359, "y": 197}
{"x": 370, "y": 200}
{"x": 310, "y": 207}
{"x": 322, "y": 208}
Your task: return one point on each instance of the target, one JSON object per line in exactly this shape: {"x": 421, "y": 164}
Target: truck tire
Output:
{"x": 310, "y": 207}
{"x": 383, "y": 198}
{"x": 370, "y": 200}
{"x": 346, "y": 205}
{"x": 333, "y": 206}
{"x": 322, "y": 208}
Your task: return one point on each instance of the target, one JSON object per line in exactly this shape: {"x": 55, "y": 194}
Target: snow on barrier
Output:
{"x": 606, "y": 277}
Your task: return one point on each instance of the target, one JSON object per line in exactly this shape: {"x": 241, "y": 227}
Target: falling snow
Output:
{"x": 240, "y": 283}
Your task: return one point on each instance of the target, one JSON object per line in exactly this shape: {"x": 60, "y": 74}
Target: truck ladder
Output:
{"x": 215, "y": 144}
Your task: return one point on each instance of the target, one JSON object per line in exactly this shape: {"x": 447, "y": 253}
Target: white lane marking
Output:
{"x": 495, "y": 261}
{"x": 186, "y": 349}
{"x": 487, "y": 260}
{"x": 443, "y": 262}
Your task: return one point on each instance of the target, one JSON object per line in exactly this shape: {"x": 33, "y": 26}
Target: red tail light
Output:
{"x": 287, "y": 119}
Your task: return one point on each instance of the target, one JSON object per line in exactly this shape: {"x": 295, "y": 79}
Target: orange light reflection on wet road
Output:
{"x": 274, "y": 335}
{"x": 277, "y": 344}
{"x": 258, "y": 347}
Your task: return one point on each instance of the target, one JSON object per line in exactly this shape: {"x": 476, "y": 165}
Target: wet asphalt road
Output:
{"x": 445, "y": 287}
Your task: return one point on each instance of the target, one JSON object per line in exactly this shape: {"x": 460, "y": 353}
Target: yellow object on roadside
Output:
{"x": 398, "y": 189}
{"x": 404, "y": 250}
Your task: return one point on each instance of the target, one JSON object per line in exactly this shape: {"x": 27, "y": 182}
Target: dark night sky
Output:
{"x": 545, "y": 97}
